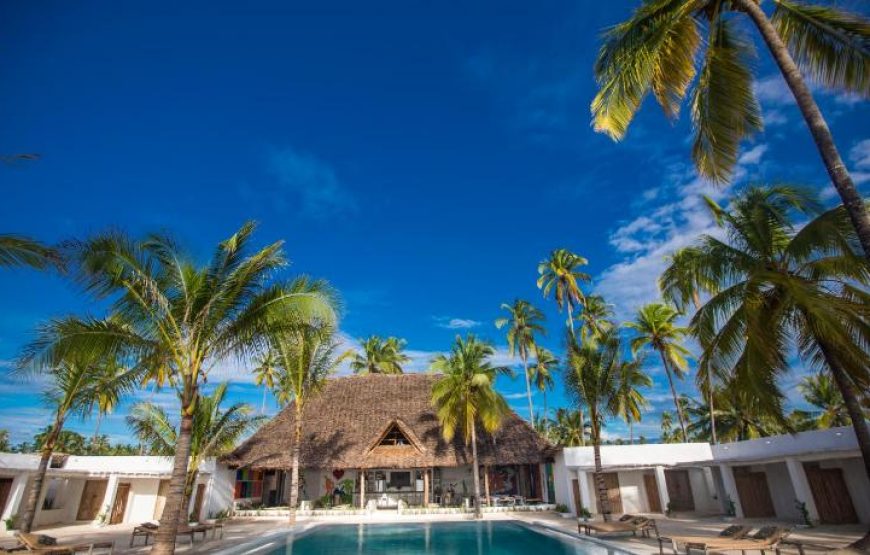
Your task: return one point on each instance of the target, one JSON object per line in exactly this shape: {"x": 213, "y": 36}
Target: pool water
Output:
{"x": 442, "y": 538}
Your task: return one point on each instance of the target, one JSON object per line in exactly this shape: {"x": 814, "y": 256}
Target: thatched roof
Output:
{"x": 344, "y": 423}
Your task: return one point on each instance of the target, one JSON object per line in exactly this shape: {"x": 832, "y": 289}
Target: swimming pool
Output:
{"x": 441, "y": 538}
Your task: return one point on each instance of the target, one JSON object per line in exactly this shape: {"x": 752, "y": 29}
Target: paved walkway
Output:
{"x": 238, "y": 531}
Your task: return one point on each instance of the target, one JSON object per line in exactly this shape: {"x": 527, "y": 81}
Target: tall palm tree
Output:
{"x": 541, "y": 373}
{"x": 739, "y": 416}
{"x": 523, "y": 324}
{"x": 667, "y": 425}
{"x": 16, "y": 250}
{"x": 166, "y": 308}
{"x": 593, "y": 377}
{"x": 780, "y": 286}
{"x": 820, "y": 391}
{"x": 71, "y": 393}
{"x": 380, "y": 356}
{"x": 568, "y": 428}
{"x": 106, "y": 397}
{"x": 560, "y": 272}
{"x": 655, "y": 327}
{"x": 630, "y": 400}
{"x": 658, "y": 49}
{"x": 306, "y": 356}
{"x": 216, "y": 431}
{"x": 595, "y": 317}
{"x": 465, "y": 397}
{"x": 266, "y": 374}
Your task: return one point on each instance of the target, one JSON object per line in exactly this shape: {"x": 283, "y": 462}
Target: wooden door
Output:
{"x": 831, "y": 495}
{"x": 162, "y": 492}
{"x": 578, "y": 502}
{"x": 611, "y": 482}
{"x": 679, "y": 490}
{"x": 92, "y": 497}
{"x": 120, "y": 506}
{"x": 652, "y": 493}
{"x": 754, "y": 493}
{"x": 5, "y": 488}
{"x": 197, "y": 501}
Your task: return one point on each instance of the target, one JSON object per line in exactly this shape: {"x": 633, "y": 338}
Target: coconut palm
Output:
{"x": 16, "y": 250}
{"x": 593, "y": 377}
{"x": 380, "y": 356}
{"x": 631, "y": 402}
{"x": 71, "y": 392}
{"x": 655, "y": 327}
{"x": 568, "y": 428}
{"x": 465, "y": 397}
{"x": 667, "y": 425}
{"x": 215, "y": 432}
{"x": 781, "y": 286}
{"x": 541, "y": 373}
{"x": 306, "y": 355}
{"x": 739, "y": 417}
{"x": 191, "y": 318}
{"x": 659, "y": 48}
{"x": 560, "y": 273}
{"x": 820, "y": 391}
{"x": 265, "y": 375}
{"x": 595, "y": 317}
{"x": 106, "y": 397}
{"x": 523, "y": 324}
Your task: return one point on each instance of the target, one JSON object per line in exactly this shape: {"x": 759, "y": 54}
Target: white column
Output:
{"x": 108, "y": 498}
{"x": 801, "y": 487}
{"x": 16, "y": 494}
{"x": 708, "y": 480}
{"x": 586, "y": 499}
{"x": 662, "y": 486}
{"x": 731, "y": 489}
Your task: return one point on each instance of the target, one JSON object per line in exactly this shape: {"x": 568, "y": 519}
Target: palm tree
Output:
{"x": 106, "y": 397}
{"x": 306, "y": 356}
{"x": 593, "y": 377}
{"x": 166, "y": 308}
{"x": 568, "y": 428}
{"x": 16, "y": 250}
{"x": 215, "y": 432}
{"x": 739, "y": 416}
{"x": 630, "y": 400}
{"x": 380, "y": 356}
{"x": 560, "y": 272}
{"x": 265, "y": 375}
{"x": 667, "y": 424}
{"x": 595, "y": 318}
{"x": 72, "y": 392}
{"x": 523, "y": 323}
{"x": 465, "y": 397}
{"x": 657, "y": 49}
{"x": 777, "y": 283}
{"x": 655, "y": 325}
{"x": 541, "y": 373}
{"x": 820, "y": 391}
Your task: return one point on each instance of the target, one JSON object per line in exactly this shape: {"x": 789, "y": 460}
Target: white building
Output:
{"x": 763, "y": 478}
{"x": 111, "y": 489}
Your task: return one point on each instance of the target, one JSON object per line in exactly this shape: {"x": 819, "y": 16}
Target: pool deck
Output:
{"x": 238, "y": 531}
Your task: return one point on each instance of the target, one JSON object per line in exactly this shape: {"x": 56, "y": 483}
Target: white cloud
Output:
{"x": 455, "y": 323}
{"x": 307, "y": 183}
{"x": 860, "y": 158}
{"x": 773, "y": 91}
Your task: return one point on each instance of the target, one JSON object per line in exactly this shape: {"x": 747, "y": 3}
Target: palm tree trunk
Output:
{"x": 29, "y": 513}
{"x": 630, "y": 432}
{"x": 528, "y": 388}
{"x": 164, "y": 542}
{"x": 477, "y": 512}
{"x": 815, "y": 121}
{"x": 97, "y": 428}
{"x": 603, "y": 500}
{"x": 546, "y": 411}
{"x": 189, "y": 483}
{"x": 582, "y": 428}
{"x": 571, "y": 317}
{"x": 712, "y": 413}
{"x": 263, "y": 405}
{"x": 294, "y": 472}
{"x": 676, "y": 400}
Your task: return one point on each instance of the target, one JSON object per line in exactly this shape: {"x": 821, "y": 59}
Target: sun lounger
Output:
{"x": 632, "y": 524}
{"x": 31, "y": 542}
{"x": 766, "y": 538}
{"x": 733, "y": 532}
{"x": 149, "y": 529}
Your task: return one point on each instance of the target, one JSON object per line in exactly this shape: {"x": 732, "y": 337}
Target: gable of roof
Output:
{"x": 338, "y": 425}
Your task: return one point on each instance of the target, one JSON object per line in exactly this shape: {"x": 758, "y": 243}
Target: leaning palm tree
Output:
{"x": 465, "y": 397}
{"x": 190, "y": 318}
{"x": 593, "y": 378}
{"x": 380, "y": 356}
{"x": 16, "y": 250}
{"x": 655, "y": 327}
{"x": 216, "y": 431}
{"x": 266, "y": 374}
{"x": 820, "y": 391}
{"x": 523, "y": 324}
{"x": 630, "y": 401}
{"x": 560, "y": 272}
{"x": 541, "y": 373}
{"x": 780, "y": 285}
{"x": 71, "y": 393}
{"x": 659, "y": 48}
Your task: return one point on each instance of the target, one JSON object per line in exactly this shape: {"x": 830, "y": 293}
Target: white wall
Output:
{"x": 704, "y": 492}
{"x": 633, "y": 492}
{"x": 647, "y": 455}
{"x": 140, "y": 503}
{"x": 68, "y": 498}
{"x": 781, "y": 490}
{"x": 220, "y": 491}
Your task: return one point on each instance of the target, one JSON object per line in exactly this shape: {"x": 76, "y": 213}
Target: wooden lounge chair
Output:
{"x": 633, "y": 524}
{"x": 734, "y": 532}
{"x": 767, "y": 538}
{"x": 32, "y": 544}
{"x": 148, "y": 529}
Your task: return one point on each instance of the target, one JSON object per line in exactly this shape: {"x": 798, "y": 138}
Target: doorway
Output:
{"x": 831, "y": 495}
{"x": 652, "y": 493}
{"x": 92, "y": 497}
{"x": 679, "y": 490}
{"x": 120, "y": 506}
{"x": 197, "y": 502}
{"x": 578, "y": 503}
{"x": 611, "y": 482}
{"x": 5, "y": 488}
{"x": 754, "y": 493}
{"x": 162, "y": 492}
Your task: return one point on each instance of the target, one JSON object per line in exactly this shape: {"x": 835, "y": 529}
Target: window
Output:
{"x": 52, "y": 499}
{"x": 394, "y": 437}
{"x": 249, "y": 483}
{"x": 400, "y": 479}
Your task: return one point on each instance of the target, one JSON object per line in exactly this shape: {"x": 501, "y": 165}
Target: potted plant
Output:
{"x": 11, "y": 524}
{"x": 585, "y": 514}
{"x": 563, "y": 510}
{"x": 805, "y": 514}
{"x": 730, "y": 508}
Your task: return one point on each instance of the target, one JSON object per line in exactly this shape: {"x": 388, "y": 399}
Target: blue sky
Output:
{"x": 421, "y": 157}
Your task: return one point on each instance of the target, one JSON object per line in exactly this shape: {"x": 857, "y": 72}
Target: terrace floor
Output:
{"x": 237, "y": 531}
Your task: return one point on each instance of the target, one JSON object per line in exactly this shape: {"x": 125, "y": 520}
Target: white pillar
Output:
{"x": 16, "y": 494}
{"x": 801, "y": 487}
{"x": 108, "y": 498}
{"x": 662, "y": 486}
{"x": 586, "y": 499}
{"x": 731, "y": 489}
